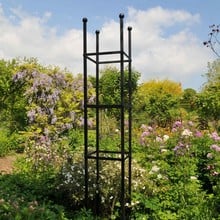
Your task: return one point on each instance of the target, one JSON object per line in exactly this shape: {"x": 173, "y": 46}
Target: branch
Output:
{"x": 213, "y": 42}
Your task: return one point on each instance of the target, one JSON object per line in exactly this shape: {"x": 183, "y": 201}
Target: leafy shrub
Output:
{"x": 22, "y": 198}
{"x": 4, "y": 146}
{"x": 10, "y": 142}
{"x": 184, "y": 166}
{"x": 71, "y": 184}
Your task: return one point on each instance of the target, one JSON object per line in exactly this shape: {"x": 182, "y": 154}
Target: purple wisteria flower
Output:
{"x": 54, "y": 120}
{"x": 19, "y": 76}
{"x": 92, "y": 99}
{"x": 44, "y": 140}
{"x": 31, "y": 115}
{"x": 60, "y": 80}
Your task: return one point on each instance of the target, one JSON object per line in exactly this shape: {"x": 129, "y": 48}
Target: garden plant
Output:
{"x": 175, "y": 146}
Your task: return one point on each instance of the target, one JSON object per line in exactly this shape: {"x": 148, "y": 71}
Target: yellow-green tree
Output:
{"x": 208, "y": 100}
{"x": 157, "y": 102}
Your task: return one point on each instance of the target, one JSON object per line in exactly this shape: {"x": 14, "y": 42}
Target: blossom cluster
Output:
{"x": 72, "y": 181}
{"x": 53, "y": 108}
{"x": 181, "y": 141}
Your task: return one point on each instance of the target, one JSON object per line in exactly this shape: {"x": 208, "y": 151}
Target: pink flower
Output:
{"x": 209, "y": 167}
{"x": 215, "y": 173}
{"x": 198, "y": 134}
{"x": 215, "y": 147}
{"x": 159, "y": 139}
{"x": 190, "y": 123}
{"x": 209, "y": 156}
{"x": 174, "y": 129}
{"x": 177, "y": 124}
{"x": 215, "y": 136}
{"x": 145, "y": 133}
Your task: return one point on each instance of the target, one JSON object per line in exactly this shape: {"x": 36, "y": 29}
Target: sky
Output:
{"x": 167, "y": 35}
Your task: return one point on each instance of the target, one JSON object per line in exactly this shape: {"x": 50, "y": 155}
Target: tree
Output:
{"x": 188, "y": 99}
{"x": 208, "y": 100}
{"x": 110, "y": 86}
{"x": 213, "y": 41}
{"x": 12, "y": 102}
{"x": 157, "y": 102}
{"x": 208, "y": 108}
{"x": 213, "y": 76}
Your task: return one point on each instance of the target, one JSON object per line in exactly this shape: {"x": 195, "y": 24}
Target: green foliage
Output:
{"x": 175, "y": 167}
{"x": 84, "y": 214}
{"x": 12, "y": 102}
{"x": 10, "y": 142}
{"x": 188, "y": 99}
{"x": 110, "y": 86}
{"x": 157, "y": 102}
{"x": 208, "y": 101}
{"x": 71, "y": 180}
{"x": 213, "y": 76}
{"x": 184, "y": 168}
{"x": 22, "y": 198}
{"x": 208, "y": 107}
{"x": 4, "y": 146}
{"x": 54, "y": 107}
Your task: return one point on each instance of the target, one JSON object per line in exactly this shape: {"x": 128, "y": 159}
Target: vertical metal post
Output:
{"x": 97, "y": 124}
{"x": 85, "y": 108}
{"x": 129, "y": 111}
{"x": 121, "y": 16}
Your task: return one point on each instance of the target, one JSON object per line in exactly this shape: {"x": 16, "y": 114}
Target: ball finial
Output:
{"x": 121, "y": 15}
{"x": 84, "y": 19}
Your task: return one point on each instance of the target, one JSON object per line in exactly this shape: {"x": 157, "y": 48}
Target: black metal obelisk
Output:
{"x": 123, "y": 155}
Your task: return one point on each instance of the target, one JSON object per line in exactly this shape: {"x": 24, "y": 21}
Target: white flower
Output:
{"x": 154, "y": 169}
{"x": 186, "y": 132}
{"x": 193, "y": 178}
{"x": 163, "y": 150}
{"x": 159, "y": 176}
{"x": 116, "y": 130}
{"x": 165, "y": 137}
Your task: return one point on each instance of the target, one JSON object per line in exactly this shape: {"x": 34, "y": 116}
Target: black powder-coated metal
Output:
{"x": 85, "y": 107}
{"x": 99, "y": 154}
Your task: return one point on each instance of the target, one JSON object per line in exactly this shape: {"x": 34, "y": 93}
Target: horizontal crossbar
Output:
{"x": 92, "y": 155}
